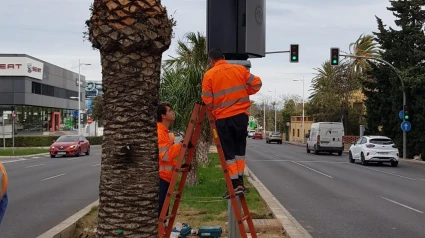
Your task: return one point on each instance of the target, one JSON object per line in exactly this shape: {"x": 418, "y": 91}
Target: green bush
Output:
{"x": 43, "y": 141}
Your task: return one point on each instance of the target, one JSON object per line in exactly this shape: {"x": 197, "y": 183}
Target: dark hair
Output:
{"x": 161, "y": 110}
{"x": 215, "y": 54}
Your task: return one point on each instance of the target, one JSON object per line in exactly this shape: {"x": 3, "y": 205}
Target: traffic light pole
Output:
{"x": 404, "y": 92}
{"x": 278, "y": 52}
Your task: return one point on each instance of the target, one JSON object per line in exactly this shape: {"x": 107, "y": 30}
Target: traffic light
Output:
{"x": 406, "y": 113}
{"x": 294, "y": 54}
{"x": 334, "y": 56}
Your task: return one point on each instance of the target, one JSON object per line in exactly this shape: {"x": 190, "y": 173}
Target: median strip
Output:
{"x": 53, "y": 177}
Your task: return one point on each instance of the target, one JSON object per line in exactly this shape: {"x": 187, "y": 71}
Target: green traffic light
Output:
{"x": 406, "y": 117}
{"x": 294, "y": 57}
{"x": 334, "y": 61}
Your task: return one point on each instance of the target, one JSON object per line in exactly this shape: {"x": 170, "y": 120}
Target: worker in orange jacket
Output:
{"x": 168, "y": 150}
{"x": 3, "y": 191}
{"x": 225, "y": 90}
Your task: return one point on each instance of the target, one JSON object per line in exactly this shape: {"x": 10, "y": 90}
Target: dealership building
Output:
{"x": 44, "y": 97}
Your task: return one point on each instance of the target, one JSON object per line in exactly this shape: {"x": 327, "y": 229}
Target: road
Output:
{"x": 44, "y": 192}
{"x": 330, "y": 197}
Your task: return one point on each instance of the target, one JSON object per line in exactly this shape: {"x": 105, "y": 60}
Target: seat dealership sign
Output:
{"x": 21, "y": 66}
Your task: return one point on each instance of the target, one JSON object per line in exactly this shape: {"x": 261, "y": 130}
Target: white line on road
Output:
{"x": 74, "y": 158}
{"x": 418, "y": 211}
{"x": 312, "y": 169}
{"x": 35, "y": 157}
{"x": 34, "y": 166}
{"x": 53, "y": 177}
{"x": 401, "y": 176}
{"x": 95, "y": 165}
{"x": 316, "y": 161}
{"x": 13, "y": 161}
{"x": 269, "y": 160}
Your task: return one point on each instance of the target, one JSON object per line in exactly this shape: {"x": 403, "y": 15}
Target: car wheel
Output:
{"x": 316, "y": 152}
{"x": 394, "y": 163}
{"x": 52, "y": 156}
{"x": 364, "y": 162}
{"x": 88, "y": 151}
{"x": 78, "y": 153}
{"x": 339, "y": 153}
{"x": 350, "y": 157}
{"x": 308, "y": 150}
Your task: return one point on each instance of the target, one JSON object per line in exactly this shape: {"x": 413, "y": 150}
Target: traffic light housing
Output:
{"x": 293, "y": 56}
{"x": 406, "y": 114}
{"x": 334, "y": 56}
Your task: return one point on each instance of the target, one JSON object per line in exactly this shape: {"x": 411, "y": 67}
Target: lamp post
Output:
{"x": 275, "y": 118}
{"x": 79, "y": 94}
{"x": 303, "y": 134}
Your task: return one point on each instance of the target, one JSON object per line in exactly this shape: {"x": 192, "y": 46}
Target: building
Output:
{"x": 296, "y": 125}
{"x": 43, "y": 96}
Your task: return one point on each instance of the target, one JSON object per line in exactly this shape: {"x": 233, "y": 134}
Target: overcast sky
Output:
{"x": 51, "y": 30}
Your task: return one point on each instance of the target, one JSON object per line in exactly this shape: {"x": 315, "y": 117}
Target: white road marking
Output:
{"x": 269, "y": 160}
{"x": 13, "y": 161}
{"x": 401, "y": 176}
{"x": 312, "y": 169}
{"x": 35, "y": 157}
{"x": 422, "y": 179}
{"x": 95, "y": 165}
{"x": 302, "y": 161}
{"x": 53, "y": 177}
{"x": 34, "y": 166}
{"x": 74, "y": 158}
{"x": 401, "y": 204}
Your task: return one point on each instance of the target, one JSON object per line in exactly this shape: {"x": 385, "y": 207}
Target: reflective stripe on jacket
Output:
{"x": 226, "y": 89}
{"x": 168, "y": 151}
{"x": 3, "y": 181}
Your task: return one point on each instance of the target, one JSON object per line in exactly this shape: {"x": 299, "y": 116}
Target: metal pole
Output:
{"x": 404, "y": 93}
{"x": 4, "y": 134}
{"x": 264, "y": 118}
{"x": 275, "y": 118}
{"x": 13, "y": 133}
{"x": 79, "y": 97}
{"x": 232, "y": 222}
{"x": 303, "y": 135}
{"x": 278, "y": 52}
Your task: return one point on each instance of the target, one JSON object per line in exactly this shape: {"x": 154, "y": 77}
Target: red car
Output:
{"x": 257, "y": 135}
{"x": 70, "y": 145}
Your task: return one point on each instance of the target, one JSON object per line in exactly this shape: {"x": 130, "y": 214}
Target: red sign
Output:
{"x": 11, "y": 66}
{"x": 89, "y": 121}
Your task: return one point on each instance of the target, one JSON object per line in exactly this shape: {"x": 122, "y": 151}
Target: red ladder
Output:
{"x": 192, "y": 133}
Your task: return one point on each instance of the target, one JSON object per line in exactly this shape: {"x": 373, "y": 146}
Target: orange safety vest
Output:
{"x": 226, "y": 89}
{"x": 168, "y": 151}
{"x": 3, "y": 181}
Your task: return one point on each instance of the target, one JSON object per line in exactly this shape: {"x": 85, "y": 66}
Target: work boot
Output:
{"x": 246, "y": 189}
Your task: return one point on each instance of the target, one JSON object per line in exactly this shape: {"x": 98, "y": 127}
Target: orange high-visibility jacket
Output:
{"x": 3, "y": 181}
{"x": 168, "y": 151}
{"x": 226, "y": 89}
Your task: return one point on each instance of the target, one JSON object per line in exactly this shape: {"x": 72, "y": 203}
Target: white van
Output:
{"x": 326, "y": 137}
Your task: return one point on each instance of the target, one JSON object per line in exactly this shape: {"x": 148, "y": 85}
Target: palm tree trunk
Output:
{"x": 202, "y": 150}
{"x": 129, "y": 179}
{"x": 192, "y": 176}
{"x": 131, "y": 36}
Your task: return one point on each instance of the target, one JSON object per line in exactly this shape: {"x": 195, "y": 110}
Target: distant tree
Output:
{"x": 97, "y": 108}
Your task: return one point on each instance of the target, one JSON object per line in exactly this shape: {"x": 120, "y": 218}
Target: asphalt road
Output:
{"x": 45, "y": 191}
{"x": 330, "y": 197}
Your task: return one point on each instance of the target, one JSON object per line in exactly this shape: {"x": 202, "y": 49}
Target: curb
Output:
{"x": 66, "y": 228}
{"x": 292, "y": 228}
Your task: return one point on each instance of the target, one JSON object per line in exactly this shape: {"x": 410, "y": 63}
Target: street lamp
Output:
{"x": 303, "y": 134}
{"x": 79, "y": 94}
{"x": 274, "y": 109}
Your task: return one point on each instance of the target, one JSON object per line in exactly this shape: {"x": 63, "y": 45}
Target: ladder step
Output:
{"x": 169, "y": 216}
{"x": 246, "y": 217}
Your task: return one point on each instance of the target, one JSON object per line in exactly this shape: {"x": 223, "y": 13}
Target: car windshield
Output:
{"x": 275, "y": 134}
{"x": 382, "y": 141}
{"x": 67, "y": 139}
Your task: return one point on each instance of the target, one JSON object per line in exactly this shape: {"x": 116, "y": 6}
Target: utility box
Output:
{"x": 237, "y": 28}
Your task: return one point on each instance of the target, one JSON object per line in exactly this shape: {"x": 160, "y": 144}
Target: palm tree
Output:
{"x": 131, "y": 37}
{"x": 364, "y": 46}
{"x": 181, "y": 86}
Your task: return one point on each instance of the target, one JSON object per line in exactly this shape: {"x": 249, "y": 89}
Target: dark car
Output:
{"x": 70, "y": 145}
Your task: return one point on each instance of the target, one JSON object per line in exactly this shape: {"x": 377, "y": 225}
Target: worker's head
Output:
{"x": 215, "y": 55}
{"x": 164, "y": 113}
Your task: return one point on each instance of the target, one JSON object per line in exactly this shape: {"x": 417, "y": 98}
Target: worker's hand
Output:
{"x": 190, "y": 145}
{"x": 187, "y": 165}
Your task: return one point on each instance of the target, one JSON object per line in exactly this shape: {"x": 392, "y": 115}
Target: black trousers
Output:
{"x": 163, "y": 189}
{"x": 233, "y": 132}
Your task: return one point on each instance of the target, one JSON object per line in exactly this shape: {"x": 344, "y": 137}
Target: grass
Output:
{"x": 19, "y": 152}
{"x": 201, "y": 205}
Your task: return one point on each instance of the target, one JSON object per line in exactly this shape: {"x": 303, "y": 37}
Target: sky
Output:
{"x": 52, "y": 30}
